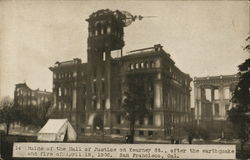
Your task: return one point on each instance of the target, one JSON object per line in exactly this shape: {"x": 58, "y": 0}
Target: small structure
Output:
{"x": 57, "y": 130}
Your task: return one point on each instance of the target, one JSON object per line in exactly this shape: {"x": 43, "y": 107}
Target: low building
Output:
{"x": 25, "y": 96}
{"x": 212, "y": 96}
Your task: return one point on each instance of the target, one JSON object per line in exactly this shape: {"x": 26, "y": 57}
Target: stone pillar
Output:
{"x": 212, "y": 99}
{"x": 198, "y": 103}
{"x": 158, "y": 119}
{"x": 107, "y": 122}
{"x": 108, "y": 79}
{"x": 158, "y": 91}
{"x": 55, "y": 100}
{"x": 221, "y": 112}
{"x": 74, "y": 99}
{"x": 107, "y": 114}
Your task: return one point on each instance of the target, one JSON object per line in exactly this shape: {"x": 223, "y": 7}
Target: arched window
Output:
{"x": 137, "y": 65}
{"x": 98, "y": 28}
{"x": 105, "y": 30}
{"x": 109, "y": 30}
{"x": 131, "y": 66}
{"x": 91, "y": 33}
{"x": 65, "y": 91}
{"x": 104, "y": 56}
{"x": 152, "y": 64}
{"x": 59, "y": 91}
{"x": 59, "y": 106}
{"x": 142, "y": 65}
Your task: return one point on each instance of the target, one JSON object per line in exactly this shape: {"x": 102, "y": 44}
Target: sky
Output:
{"x": 202, "y": 37}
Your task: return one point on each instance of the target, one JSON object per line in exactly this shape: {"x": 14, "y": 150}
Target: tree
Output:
{"x": 42, "y": 114}
{"x": 7, "y": 112}
{"x": 239, "y": 115}
{"x": 27, "y": 115}
{"x": 134, "y": 105}
{"x": 35, "y": 115}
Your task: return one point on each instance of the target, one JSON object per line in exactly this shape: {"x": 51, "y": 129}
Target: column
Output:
{"x": 212, "y": 98}
{"x": 107, "y": 114}
{"x": 158, "y": 91}
{"x": 199, "y": 104}
{"x": 221, "y": 112}
{"x": 74, "y": 99}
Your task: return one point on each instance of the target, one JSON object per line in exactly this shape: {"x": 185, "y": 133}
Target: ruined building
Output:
{"x": 25, "y": 96}
{"x": 212, "y": 100}
{"x": 90, "y": 94}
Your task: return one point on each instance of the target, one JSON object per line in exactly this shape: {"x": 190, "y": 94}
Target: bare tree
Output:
{"x": 134, "y": 106}
{"x": 7, "y": 112}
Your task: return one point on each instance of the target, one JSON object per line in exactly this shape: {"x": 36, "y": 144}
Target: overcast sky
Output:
{"x": 203, "y": 37}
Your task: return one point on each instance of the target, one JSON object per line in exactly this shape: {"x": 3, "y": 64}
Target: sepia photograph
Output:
{"x": 132, "y": 79}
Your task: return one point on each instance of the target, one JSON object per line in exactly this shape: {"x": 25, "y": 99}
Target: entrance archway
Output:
{"x": 96, "y": 123}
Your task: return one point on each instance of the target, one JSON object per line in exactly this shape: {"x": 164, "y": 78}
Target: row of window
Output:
{"x": 95, "y": 106}
{"x": 105, "y": 30}
{"x": 100, "y": 31}
{"x": 33, "y": 102}
{"x": 178, "y": 102}
{"x": 179, "y": 119}
{"x": 32, "y": 94}
{"x": 207, "y": 111}
{"x": 179, "y": 80}
{"x": 66, "y": 75}
{"x": 20, "y": 102}
{"x": 25, "y": 93}
{"x": 214, "y": 94}
{"x": 68, "y": 91}
{"x": 140, "y": 132}
{"x": 64, "y": 106}
{"x": 156, "y": 64}
{"x": 94, "y": 86}
{"x": 141, "y": 65}
{"x": 175, "y": 119}
{"x": 68, "y": 106}
{"x": 64, "y": 91}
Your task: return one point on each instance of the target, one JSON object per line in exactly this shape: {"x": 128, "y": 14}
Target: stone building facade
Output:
{"x": 90, "y": 94}
{"x": 25, "y": 96}
{"x": 69, "y": 91}
{"x": 212, "y": 100}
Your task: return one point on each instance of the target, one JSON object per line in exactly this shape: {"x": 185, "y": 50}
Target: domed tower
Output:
{"x": 106, "y": 33}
